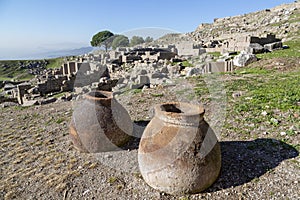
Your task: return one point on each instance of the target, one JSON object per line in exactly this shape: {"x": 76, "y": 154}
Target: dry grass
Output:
{"x": 31, "y": 151}
{"x": 38, "y": 160}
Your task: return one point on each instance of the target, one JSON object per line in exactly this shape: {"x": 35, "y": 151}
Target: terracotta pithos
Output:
{"x": 99, "y": 123}
{"x": 178, "y": 152}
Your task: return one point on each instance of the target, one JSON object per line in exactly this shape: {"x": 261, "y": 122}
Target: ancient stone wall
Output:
{"x": 22, "y": 90}
{"x": 264, "y": 40}
{"x": 189, "y": 49}
{"x": 84, "y": 78}
{"x": 51, "y": 85}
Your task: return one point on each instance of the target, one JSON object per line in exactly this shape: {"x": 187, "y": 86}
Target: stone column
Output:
{"x": 20, "y": 96}
{"x": 76, "y": 67}
{"x": 65, "y": 69}
{"x": 72, "y": 67}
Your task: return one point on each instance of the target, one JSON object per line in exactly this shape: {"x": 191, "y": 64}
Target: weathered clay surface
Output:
{"x": 99, "y": 123}
{"x": 178, "y": 152}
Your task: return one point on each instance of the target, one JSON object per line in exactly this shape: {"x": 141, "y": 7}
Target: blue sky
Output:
{"x": 32, "y": 26}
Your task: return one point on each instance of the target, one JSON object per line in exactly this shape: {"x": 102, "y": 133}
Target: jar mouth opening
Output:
{"x": 99, "y": 95}
{"x": 180, "y": 108}
{"x": 172, "y": 108}
{"x": 180, "y": 113}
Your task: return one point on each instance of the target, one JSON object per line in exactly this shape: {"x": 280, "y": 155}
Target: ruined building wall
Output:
{"x": 262, "y": 41}
{"x": 51, "y": 85}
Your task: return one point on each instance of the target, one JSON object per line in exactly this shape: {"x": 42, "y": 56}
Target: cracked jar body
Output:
{"x": 99, "y": 123}
{"x": 179, "y": 153}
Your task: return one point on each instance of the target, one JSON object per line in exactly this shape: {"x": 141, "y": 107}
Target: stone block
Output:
{"x": 142, "y": 79}
{"x": 136, "y": 86}
{"x": 158, "y": 75}
{"x": 164, "y": 70}
{"x": 47, "y": 101}
{"x": 273, "y": 46}
{"x": 255, "y": 48}
{"x": 244, "y": 59}
{"x": 143, "y": 72}
{"x": 30, "y": 103}
{"x": 191, "y": 71}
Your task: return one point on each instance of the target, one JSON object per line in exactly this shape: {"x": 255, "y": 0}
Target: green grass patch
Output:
{"x": 215, "y": 54}
{"x": 187, "y": 64}
{"x": 281, "y": 91}
{"x": 297, "y": 147}
{"x": 112, "y": 180}
{"x": 60, "y": 120}
{"x": 184, "y": 63}
{"x": 293, "y": 51}
{"x": 136, "y": 91}
{"x": 276, "y": 95}
{"x": 12, "y": 70}
{"x": 265, "y": 99}
{"x": 59, "y": 95}
{"x": 294, "y": 17}
{"x": 55, "y": 63}
{"x": 255, "y": 70}
{"x": 157, "y": 95}
{"x": 184, "y": 198}
{"x": 201, "y": 89}
{"x": 277, "y": 24}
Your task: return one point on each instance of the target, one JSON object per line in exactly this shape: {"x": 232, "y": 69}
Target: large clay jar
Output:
{"x": 99, "y": 123}
{"x": 178, "y": 152}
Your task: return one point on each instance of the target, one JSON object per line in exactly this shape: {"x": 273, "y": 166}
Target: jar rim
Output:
{"x": 180, "y": 112}
{"x": 99, "y": 95}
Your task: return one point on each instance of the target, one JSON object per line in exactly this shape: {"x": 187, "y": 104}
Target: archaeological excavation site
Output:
{"x": 208, "y": 114}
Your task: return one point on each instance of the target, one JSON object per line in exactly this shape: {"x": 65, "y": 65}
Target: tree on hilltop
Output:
{"x": 102, "y": 38}
{"x": 148, "y": 39}
{"x": 120, "y": 41}
{"x": 135, "y": 40}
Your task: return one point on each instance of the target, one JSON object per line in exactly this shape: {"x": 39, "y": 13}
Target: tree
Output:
{"x": 148, "y": 39}
{"x": 135, "y": 40}
{"x": 102, "y": 38}
{"x": 120, "y": 41}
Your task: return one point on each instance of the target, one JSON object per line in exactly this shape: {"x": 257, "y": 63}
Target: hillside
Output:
{"x": 21, "y": 70}
{"x": 283, "y": 20}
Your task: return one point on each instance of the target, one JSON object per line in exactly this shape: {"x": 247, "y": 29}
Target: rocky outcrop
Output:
{"x": 255, "y": 48}
{"x": 273, "y": 46}
{"x": 282, "y": 20}
{"x": 244, "y": 59}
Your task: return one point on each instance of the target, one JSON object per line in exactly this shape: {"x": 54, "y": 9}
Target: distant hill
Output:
{"x": 26, "y": 69}
{"x": 63, "y": 53}
{"x": 52, "y": 54}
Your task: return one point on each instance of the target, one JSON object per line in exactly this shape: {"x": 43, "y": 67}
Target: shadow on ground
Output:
{"x": 243, "y": 161}
{"x": 138, "y": 129}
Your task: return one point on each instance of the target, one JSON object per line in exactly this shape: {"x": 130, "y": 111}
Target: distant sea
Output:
{"x": 53, "y": 54}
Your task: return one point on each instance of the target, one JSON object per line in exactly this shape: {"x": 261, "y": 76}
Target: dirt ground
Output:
{"x": 38, "y": 160}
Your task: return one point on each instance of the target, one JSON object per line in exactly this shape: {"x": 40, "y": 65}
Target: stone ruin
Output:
{"x": 133, "y": 68}
{"x": 138, "y": 67}
{"x": 187, "y": 48}
{"x": 242, "y": 42}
